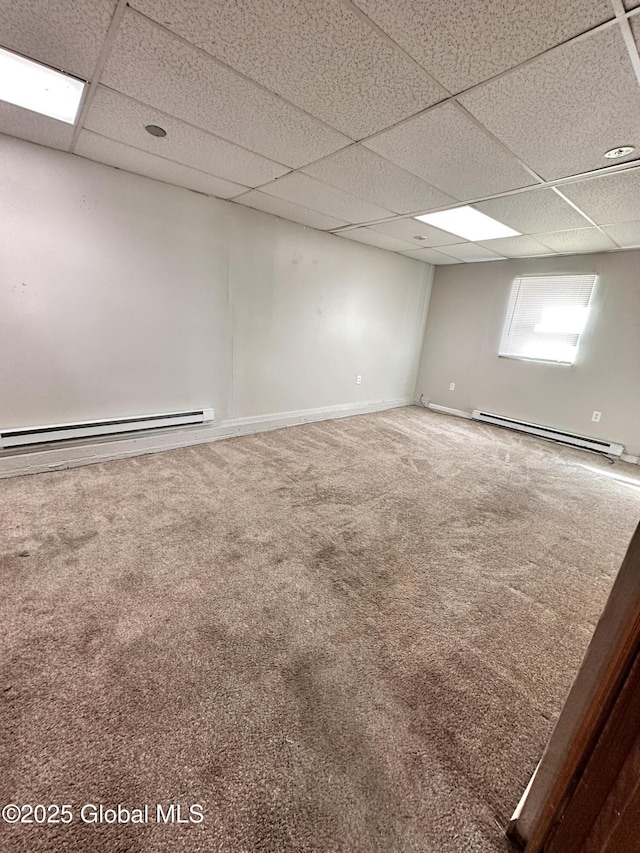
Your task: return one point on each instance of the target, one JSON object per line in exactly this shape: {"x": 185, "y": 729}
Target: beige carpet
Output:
{"x": 347, "y": 637}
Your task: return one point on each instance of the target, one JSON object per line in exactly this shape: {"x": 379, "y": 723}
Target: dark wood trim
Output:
{"x": 595, "y": 690}
{"x": 602, "y": 775}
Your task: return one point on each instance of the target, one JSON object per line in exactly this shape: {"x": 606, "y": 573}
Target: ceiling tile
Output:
{"x": 625, "y": 234}
{"x": 362, "y": 172}
{"x": 289, "y": 210}
{"x": 533, "y": 212}
{"x": 112, "y": 153}
{"x": 631, "y": 4}
{"x": 64, "y": 35}
{"x": 374, "y": 238}
{"x": 409, "y": 229}
{"x": 462, "y": 42}
{"x": 308, "y": 192}
{"x": 562, "y": 111}
{"x": 517, "y": 247}
{"x": 118, "y": 117}
{"x": 430, "y": 256}
{"x": 471, "y": 252}
{"x": 14, "y": 121}
{"x": 446, "y": 148}
{"x": 609, "y": 199}
{"x": 321, "y": 56}
{"x": 579, "y": 240}
{"x": 155, "y": 67}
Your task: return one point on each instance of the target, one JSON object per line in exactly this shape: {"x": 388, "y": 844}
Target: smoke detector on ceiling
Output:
{"x": 621, "y": 151}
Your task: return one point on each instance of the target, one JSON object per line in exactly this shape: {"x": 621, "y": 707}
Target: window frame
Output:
{"x": 535, "y": 359}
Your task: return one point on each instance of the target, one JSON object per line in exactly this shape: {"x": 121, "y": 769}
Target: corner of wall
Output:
{"x": 428, "y": 276}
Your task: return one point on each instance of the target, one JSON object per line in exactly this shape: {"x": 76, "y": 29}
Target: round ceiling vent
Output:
{"x": 154, "y": 130}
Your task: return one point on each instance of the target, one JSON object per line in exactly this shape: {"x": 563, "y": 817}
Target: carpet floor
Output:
{"x": 345, "y": 637}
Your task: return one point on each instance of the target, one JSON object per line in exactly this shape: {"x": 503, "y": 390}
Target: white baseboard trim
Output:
{"x": 458, "y": 413}
{"x": 37, "y": 460}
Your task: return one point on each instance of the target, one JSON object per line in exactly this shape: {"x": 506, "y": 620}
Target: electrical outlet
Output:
{"x": 358, "y": 380}
{"x": 452, "y": 386}
{"x": 596, "y": 417}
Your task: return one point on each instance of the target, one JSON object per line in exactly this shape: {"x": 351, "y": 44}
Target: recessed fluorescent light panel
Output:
{"x": 35, "y": 87}
{"x": 468, "y": 223}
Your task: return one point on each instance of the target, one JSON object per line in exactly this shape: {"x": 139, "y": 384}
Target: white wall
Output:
{"x": 466, "y": 314}
{"x": 120, "y": 295}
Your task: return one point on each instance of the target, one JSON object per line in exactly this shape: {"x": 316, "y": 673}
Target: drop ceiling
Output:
{"x": 353, "y": 116}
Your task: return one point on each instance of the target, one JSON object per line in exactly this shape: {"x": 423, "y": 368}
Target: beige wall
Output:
{"x": 120, "y": 295}
{"x": 466, "y": 314}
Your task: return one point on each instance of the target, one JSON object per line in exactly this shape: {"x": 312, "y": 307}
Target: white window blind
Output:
{"x": 545, "y": 317}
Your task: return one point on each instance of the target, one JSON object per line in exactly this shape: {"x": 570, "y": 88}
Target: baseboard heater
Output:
{"x": 85, "y": 429}
{"x": 608, "y": 448}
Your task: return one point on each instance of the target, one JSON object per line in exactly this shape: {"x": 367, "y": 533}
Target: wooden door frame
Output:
{"x": 595, "y": 690}
{"x": 603, "y": 809}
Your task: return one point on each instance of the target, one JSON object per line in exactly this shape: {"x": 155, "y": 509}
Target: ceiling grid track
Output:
{"x": 536, "y": 177}
{"x": 240, "y": 74}
{"x": 357, "y": 11}
{"x": 622, "y": 16}
{"x": 176, "y": 162}
{"x": 476, "y": 135}
{"x": 110, "y": 38}
{"x": 592, "y": 222}
{"x": 447, "y": 99}
{"x": 454, "y": 97}
{"x": 165, "y": 114}
{"x": 559, "y": 182}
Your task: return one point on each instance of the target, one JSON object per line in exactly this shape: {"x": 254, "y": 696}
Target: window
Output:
{"x": 545, "y": 317}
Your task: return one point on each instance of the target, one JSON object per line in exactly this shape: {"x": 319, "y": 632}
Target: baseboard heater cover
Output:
{"x": 22, "y": 436}
{"x": 608, "y": 448}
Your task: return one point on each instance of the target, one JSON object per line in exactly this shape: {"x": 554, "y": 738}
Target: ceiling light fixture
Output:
{"x": 468, "y": 223}
{"x": 621, "y": 151}
{"x": 155, "y": 130}
{"x": 38, "y": 88}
